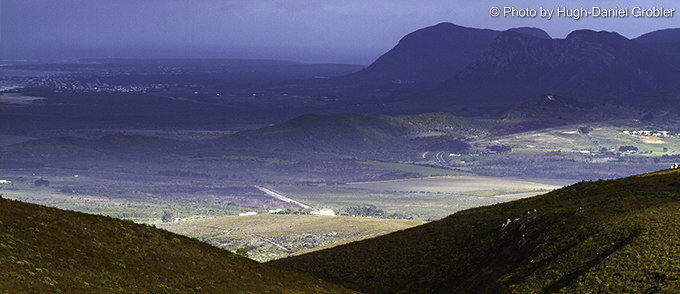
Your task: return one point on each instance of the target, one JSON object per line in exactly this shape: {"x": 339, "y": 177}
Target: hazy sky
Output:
{"x": 343, "y": 31}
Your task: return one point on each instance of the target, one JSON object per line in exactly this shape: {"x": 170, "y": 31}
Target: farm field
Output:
{"x": 264, "y": 237}
{"x": 599, "y": 136}
{"x": 426, "y": 198}
{"x": 141, "y": 200}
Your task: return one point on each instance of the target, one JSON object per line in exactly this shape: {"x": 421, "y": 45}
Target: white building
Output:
{"x": 325, "y": 211}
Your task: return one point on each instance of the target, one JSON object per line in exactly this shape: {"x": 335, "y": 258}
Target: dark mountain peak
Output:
{"x": 580, "y": 36}
{"x": 601, "y": 48}
{"x": 666, "y": 42}
{"x": 444, "y": 30}
{"x": 531, "y": 31}
{"x": 602, "y": 66}
{"x": 429, "y": 55}
{"x": 440, "y": 27}
{"x": 660, "y": 37}
{"x": 510, "y": 47}
{"x": 514, "y": 38}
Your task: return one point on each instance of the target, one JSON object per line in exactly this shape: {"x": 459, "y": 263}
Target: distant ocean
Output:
{"x": 12, "y": 73}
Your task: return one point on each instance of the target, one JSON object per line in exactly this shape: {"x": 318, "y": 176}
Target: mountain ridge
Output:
{"x": 601, "y": 66}
{"x": 433, "y": 54}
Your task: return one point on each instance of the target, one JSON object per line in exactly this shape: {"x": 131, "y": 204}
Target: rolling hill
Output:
{"x": 603, "y": 236}
{"x": 356, "y": 134}
{"x": 563, "y": 109}
{"x": 50, "y": 250}
{"x": 549, "y": 111}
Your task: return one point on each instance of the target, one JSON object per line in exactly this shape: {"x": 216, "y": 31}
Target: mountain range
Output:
{"x": 456, "y": 67}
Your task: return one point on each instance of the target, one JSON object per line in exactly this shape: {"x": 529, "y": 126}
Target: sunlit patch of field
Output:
{"x": 564, "y": 139}
{"x": 569, "y": 139}
{"x": 653, "y": 140}
{"x": 453, "y": 184}
{"x": 422, "y": 198}
{"x": 269, "y": 236}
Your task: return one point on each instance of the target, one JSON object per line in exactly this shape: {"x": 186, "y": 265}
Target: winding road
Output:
{"x": 442, "y": 161}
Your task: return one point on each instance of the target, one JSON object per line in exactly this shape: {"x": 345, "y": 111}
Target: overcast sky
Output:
{"x": 341, "y": 31}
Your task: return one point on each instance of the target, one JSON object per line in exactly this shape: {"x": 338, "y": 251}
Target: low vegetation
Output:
{"x": 603, "y": 236}
{"x": 47, "y": 250}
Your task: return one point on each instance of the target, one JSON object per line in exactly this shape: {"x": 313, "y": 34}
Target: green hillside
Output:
{"x": 618, "y": 236}
{"x": 47, "y": 250}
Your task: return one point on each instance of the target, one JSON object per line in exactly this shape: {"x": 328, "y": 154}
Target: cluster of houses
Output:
{"x": 325, "y": 212}
{"x": 649, "y": 133}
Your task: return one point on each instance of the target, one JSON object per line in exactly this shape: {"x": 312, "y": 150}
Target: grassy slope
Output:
{"x": 606, "y": 236}
{"x": 50, "y": 250}
{"x": 298, "y": 233}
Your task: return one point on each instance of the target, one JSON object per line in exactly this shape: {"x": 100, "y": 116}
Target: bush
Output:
{"x": 242, "y": 251}
{"x": 167, "y": 217}
{"x": 628, "y": 148}
{"x": 365, "y": 210}
{"x": 500, "y": 148}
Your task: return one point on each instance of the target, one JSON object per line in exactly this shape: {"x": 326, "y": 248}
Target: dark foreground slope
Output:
{"x": 616, "y": 236}
{"x": 47, "y": 250}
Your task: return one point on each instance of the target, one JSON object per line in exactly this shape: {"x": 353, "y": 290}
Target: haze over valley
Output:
{"x": 433, "y": 145}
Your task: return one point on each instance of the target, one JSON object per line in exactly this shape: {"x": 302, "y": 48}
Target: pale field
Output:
{"x": 269, "y": 236}
{"x": 454, "y": 184}
{"x": 567, "y": 138}
{"x": 425, "y": 198}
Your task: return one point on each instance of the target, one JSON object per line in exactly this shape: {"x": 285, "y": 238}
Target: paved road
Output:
{"x": 442, "y": 161}
{"x": 283, "y": 198}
